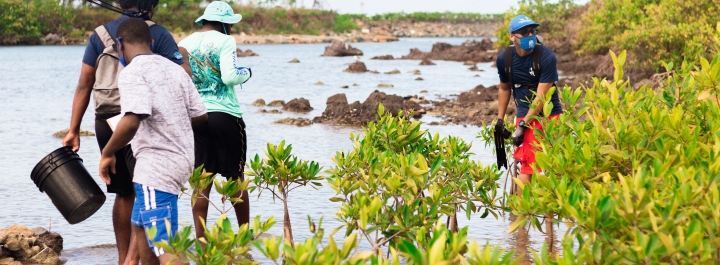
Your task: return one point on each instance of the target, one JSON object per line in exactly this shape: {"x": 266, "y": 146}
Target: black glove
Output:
{"x": 519, "y": 133}
{"x": 500, "y": 134}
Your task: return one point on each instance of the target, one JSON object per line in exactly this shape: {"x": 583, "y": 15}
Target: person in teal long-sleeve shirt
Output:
{"x": 221, "y": 142}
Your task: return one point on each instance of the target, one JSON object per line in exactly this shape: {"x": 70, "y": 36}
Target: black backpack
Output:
{"x": 536, "y": 70}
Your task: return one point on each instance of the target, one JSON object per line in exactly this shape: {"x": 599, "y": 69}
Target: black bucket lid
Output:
{"x": 50, "y": 162}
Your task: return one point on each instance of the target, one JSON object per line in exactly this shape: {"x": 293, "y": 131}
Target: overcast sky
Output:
{"x": 372, "y": 7}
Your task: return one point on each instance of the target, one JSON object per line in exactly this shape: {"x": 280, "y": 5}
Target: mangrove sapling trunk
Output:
{"x": 287, "y": 226}
{"x": 549, "y": 233}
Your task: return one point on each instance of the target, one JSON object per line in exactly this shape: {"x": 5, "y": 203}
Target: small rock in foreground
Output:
{"x": 259, "y": 102}
{"x": 294, "y": 61}
{"x": 423, "y": 91}
{"x": 415, "y": 72}
{"x": 419, "y": 79}
{"x": 319, "y": 83}
{"x": 63, "y": 133}
{"x": 393, "y": 72}
{"x": 356, "y": 67}
{"x": 344, "y": 87}
{"x": 426, "y": 62}
{"x": 295, "y": 121}
{"x": 383, "y": 57}
{"x": 385, "y": 85}
{"x": 276, "y": 103}
{"x": 298, "y": 105}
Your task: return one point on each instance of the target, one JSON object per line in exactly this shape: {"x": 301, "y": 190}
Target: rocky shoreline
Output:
{"x": 375, "y": 31}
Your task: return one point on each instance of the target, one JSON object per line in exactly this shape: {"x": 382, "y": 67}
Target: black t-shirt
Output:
{"x": 523, "y": 74}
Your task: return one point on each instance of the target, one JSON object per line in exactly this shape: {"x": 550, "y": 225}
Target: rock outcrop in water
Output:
{"x": 22, "y": 245}
{"x": 476, "y": 51}
{"x": 248, "y": 53}
{"x": 341, "y": 48}
{"x": 383, "y": 57}
{"x": 63, "y": 133}
{"x": 339, "y": 112}
{"x": 300, "y": 122}
{"x": 356, "y": 67}
{"x": 298, "y": 105}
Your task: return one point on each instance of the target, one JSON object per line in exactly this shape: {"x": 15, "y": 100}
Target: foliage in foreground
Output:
{"x": 395, "y": 187}
{"x": 634, "y": 173}
{"x": 399, "y": 180}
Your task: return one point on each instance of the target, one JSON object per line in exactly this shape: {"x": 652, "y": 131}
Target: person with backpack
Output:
{"x": 98, "y": 77}
{"x": 221, "y": 142}
{"x": 528, "y": 70}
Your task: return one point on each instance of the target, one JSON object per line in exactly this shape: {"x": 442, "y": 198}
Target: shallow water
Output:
{"x": 37, "y": 84}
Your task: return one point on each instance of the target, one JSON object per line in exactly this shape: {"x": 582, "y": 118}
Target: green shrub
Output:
{"x": 344, "y": 23}
{"x": 553, "y": 18}
{"x": 652, "y": 30}
{"x": 27, "y": 21}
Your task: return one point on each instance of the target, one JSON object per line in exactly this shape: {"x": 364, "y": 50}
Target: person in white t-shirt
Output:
{"x": 221, "y": 142}
{"x": 159, "y": 103}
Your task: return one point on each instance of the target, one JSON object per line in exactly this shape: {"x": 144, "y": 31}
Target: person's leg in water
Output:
{"x": 200, "y": 210}
{"x": 122, "y": 209}
{"x": 242, "y": 210}
{"x": 121, "y": 185}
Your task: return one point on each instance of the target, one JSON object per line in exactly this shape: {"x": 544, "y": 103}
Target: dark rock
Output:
{"x": 248, "y": 53}
{"x": 298, "y": 105}
{"x": 423, "y": 91}
{"x": 383, "y": 57}
{"x": 51, "y": 240}
{"x": 419, "y": 79}
{"x": 426, "y": 62}
{"x": 339, "y": 112}
{"x": 340, "y": 48}
{"x": 259, "y": 103}
{"x": 276, "y": 103}
{"x": 471, "y": 107}
{"x": 344, "y": 87}
{"x": 393, "y": 72}
{"x": 356, "y": 67}
{"x": 473, "y": 68}
{"x": 295, "y": 60}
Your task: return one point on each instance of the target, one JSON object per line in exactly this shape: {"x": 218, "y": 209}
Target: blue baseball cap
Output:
{"x": 521, "y": 21}
{"x": 221, "y": 12}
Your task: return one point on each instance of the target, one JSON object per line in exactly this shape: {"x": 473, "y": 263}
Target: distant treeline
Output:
{"x": 26, "y": 21}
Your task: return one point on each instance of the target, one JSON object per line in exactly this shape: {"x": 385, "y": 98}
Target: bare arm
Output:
{"x": 199, "y": 119}
{"x": 186, "y": 60}
{"x": 81, "y": 100}
{"x": 124, "y": 132}
{"x": 503, "y": 99}
{"x": 542, "y": 90}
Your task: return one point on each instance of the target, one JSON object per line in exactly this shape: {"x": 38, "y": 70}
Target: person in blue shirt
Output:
{"x": 529, "y": 84}
{"x": 121, "y": 184}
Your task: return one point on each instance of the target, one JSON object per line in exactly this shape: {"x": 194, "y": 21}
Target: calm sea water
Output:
{"x": 37, "y": 85}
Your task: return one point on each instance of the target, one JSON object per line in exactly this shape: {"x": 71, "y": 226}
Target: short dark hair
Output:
{"x": 134, "y": 30}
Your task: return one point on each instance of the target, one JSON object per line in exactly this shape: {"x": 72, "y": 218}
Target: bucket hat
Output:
{"x": 221, "y": 12}
{"x": 521, "y": 21}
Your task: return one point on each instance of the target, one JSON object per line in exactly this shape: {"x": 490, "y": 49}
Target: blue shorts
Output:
{"x": 152, "y": 209}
